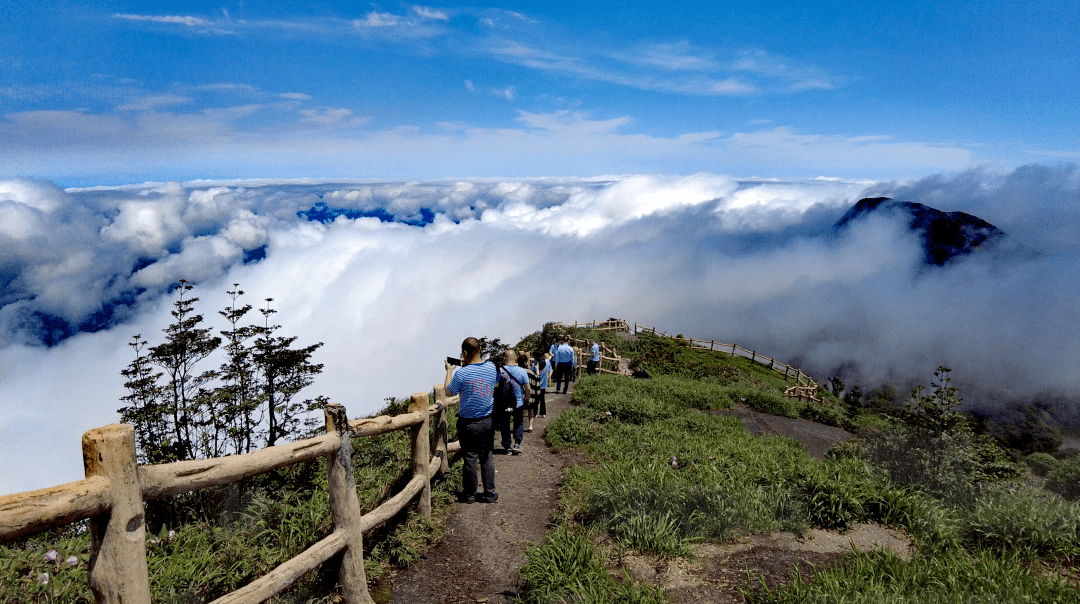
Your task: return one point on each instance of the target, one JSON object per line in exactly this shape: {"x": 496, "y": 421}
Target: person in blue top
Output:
{"x": 594, "y": 357}
{"x": 519, "y": 383}
{"x": 564, "y": 361}
{"x": 542, "y": 367}
{"x": 475, "y": 382}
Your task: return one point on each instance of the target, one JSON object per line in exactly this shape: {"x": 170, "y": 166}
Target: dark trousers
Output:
{"x": 590, "y": 367}
{"x": 475, "y": 437}
{"x": 512, "y": 427}
{"x": 541, "y": 404}
{"x": 563, "y": 373}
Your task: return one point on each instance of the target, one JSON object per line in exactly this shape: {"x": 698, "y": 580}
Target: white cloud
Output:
{"x": 706, "y": 255}
{"x": 295, "y": 96}
{"x": 505, "y": 93}
{"x": 172, "y": 19}
{"x": 783, "y": 146}
{"x": 681, "y": 56}
{"x": 469, "y": 86}
{"x": 375, "y": 19}
{"x": 154, "y": 102}
{"x": 331, "y": 117}
{"x": 430, "y": 13}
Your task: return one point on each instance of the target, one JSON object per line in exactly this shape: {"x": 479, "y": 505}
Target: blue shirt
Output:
{"x": 595, "y": 352}
{"x": 544, "y": 371}
{"x": 476, "y": 384}
{"x": 520, "y": 378}
{"x": 564, "y": 354}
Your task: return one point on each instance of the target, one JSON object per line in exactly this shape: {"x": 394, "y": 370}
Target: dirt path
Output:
{"x": 478, "y": 558}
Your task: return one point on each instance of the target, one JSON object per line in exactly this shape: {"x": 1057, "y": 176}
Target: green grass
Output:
{"x": 667, "y": 472}
{"x": 883, "y": 578}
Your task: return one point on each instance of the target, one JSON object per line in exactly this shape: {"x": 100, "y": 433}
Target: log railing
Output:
{"x": 115, "y": 488}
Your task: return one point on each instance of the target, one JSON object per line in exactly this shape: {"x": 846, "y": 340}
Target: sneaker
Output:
{"x": 462, "y": 499}
{"x": 491, "y": 497}
{"x": 529, "y": 429}
{"x": 516, "y": 449}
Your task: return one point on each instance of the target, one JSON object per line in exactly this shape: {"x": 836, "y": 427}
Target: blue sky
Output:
{"x": 115, "y": 92}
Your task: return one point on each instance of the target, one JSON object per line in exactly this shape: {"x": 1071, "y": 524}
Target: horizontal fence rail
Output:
{"x": 113, "y": 493}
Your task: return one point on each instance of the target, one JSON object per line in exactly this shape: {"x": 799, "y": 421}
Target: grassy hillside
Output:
{"x": 666, "y": 473}
{"x": 663, "y": 473}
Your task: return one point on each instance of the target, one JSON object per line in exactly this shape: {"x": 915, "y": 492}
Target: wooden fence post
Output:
{"x": 438, "y": 438}
{"x": 421, "y": 456}
{"x": 753, "y": 356}
{"x": 345, "y": 509}
{"x": 117, "y": 568}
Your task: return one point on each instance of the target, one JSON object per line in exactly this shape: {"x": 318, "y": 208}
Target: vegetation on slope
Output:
{"x": 667, "y": 473}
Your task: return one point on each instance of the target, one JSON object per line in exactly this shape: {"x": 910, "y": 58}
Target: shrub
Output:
{"x": 1064, "y": 478}
{"x": 1040, "y": 463}
{"x": 1024, "y": 521}
{"x": 567, "y": 568}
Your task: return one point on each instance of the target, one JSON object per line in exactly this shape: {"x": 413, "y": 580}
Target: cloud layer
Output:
{"x": 408, "y": 269}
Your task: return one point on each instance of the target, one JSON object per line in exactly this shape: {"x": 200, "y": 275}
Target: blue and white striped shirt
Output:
{"x": 476, "y": 384}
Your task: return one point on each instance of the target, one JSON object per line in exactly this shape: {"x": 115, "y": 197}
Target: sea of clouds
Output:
{"x": 408, "y": 269}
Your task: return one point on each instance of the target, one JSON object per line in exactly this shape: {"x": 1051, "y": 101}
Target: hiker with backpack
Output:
{"x": 511, "y": 393}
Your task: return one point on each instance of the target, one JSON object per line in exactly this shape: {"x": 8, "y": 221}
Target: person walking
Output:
{"x": 475, "y": 382}
{"x": 542, "y": 367}
{"x": 594, "y": 358}
{"x": 534, "y": 387}
{"x": 564, "y": 360}
{"x": 519, "y": 383}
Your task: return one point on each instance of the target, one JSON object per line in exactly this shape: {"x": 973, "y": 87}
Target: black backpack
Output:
{"x": 504, "y": 393}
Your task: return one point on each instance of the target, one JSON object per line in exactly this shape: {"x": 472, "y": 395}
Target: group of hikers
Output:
{"x": 501, "y": 399}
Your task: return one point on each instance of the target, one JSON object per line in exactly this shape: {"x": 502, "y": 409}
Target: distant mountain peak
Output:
{"x": 944, "y": 235}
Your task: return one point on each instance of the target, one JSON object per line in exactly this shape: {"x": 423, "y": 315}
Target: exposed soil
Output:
{"x": 817, "y": 438}
{"x": 477, "y": 559}
{"x": 483, "y": 546}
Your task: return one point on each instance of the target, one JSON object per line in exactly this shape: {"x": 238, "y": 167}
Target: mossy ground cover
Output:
{"x": 667, "y": 473}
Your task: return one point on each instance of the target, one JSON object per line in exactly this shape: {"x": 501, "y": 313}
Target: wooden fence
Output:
{"x": 115, "y": 488}
{"x": 617, "y": 364}
{"x": 804, "y": 386}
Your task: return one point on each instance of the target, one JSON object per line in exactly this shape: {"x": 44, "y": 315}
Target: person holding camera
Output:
{"x": 475, "y": 381}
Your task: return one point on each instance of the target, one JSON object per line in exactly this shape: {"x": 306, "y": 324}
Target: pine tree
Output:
{"x": 238, "y": 374}
{"x": 190, "y": 405}
{"x": 284, "y": 372}
{"x": 145, "y": 409}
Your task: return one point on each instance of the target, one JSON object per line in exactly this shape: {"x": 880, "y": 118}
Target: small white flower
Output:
{"x": 72, "y": 561}
{"x": 43, "y": 578}
{"x": 172, "y": 534}
{"x": 51, "y": 556}
{"x": 607, "y": 413}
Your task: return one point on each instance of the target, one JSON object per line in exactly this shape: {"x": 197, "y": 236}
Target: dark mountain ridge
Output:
{"x": 945, "y": 235}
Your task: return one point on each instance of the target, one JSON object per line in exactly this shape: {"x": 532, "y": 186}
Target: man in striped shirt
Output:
{"x": 475, "y": 382}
